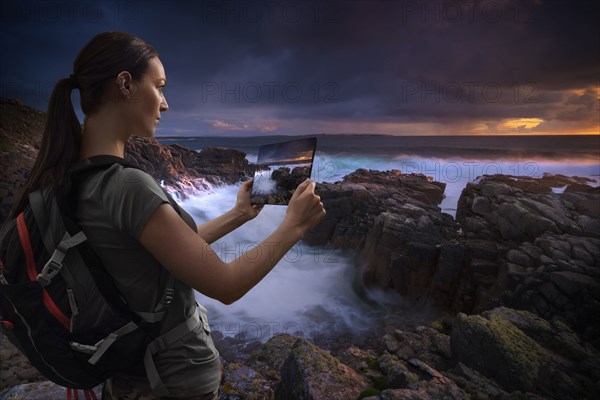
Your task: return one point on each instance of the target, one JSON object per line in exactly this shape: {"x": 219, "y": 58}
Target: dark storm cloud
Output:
{"x": 246, "y": 66}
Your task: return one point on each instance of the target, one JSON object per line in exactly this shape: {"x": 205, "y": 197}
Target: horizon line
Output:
{"x": 377, "y": 134}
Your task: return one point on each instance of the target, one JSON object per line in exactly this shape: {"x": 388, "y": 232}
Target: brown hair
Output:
{"x": 96, "y": 66}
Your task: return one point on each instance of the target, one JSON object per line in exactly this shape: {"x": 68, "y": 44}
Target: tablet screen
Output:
{"x": 280, "y": 168}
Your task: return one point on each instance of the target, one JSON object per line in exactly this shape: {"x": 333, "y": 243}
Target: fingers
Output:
{"x": 302, "y": 188}
{"x": 249, "y": 184}
{"x": 318, "y": 205}
{"x": 246, "y": 185}
{"x": 309, "y": 189}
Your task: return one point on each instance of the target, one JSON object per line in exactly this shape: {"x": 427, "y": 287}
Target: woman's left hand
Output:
{"x": 242, "y": 206}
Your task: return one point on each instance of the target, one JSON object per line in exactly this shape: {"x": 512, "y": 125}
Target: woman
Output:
{"x": 132, "y": 226}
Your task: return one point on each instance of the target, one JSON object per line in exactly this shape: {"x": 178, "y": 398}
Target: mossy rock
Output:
{"x": 269, "y": 357}
{"x": 554, "y": 335}
{"x": 310, "y": 372}
{"x": 397, "y": 372}
{"x": 498, "y": 349}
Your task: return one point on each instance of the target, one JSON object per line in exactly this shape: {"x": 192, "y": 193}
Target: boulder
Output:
{"x": 312, "y": 373}
{"x": 499, "y": 350}
{"x": 524, "y": 352}
{"x": 397, "y": 373}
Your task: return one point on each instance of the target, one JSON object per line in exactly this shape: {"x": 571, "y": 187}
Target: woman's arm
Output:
{"x": 191, "y": 259}
{"x": 215, "y": 229}
{"x": 241, "y": 213}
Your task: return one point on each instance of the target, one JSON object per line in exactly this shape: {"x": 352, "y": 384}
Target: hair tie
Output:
{"x": 73, "y": 78}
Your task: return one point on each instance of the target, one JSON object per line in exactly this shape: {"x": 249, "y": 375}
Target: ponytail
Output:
{"x": 60, "y": 146}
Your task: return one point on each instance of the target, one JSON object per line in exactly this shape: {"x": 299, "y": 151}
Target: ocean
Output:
{"x": 315, "y": 292}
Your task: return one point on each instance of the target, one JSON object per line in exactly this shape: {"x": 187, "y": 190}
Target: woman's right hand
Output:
{"x": 305, "y": 209}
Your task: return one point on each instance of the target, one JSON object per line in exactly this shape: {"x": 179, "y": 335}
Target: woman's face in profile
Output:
{"x": 148, "y": 100}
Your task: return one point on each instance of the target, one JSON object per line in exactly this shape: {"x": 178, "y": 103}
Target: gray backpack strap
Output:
{"x": 55, "y": 263}
{"x": 162, "y": 343}
{"x": 110, "y": 339}
{"x": 98, "y": 350}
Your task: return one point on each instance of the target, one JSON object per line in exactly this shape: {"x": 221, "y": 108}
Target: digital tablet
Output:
{"x": 280, "y": 168}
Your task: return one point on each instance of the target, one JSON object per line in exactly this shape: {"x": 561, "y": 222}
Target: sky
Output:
{"x": 301, "y": 67}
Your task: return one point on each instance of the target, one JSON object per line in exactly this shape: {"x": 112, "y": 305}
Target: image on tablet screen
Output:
{"x": 280, "y": 168}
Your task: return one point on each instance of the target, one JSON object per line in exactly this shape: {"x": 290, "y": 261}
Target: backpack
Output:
{"x": 58, "y": 304}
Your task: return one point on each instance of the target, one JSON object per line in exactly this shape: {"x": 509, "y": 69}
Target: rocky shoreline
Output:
{"x": 514, "y": 242}
{"x": 517, "y": 274}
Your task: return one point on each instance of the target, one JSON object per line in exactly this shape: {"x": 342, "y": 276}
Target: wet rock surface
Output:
{"x": 353, "y": 204}
{"x": 543, "y": 250}
{"x": 514, "y": 242}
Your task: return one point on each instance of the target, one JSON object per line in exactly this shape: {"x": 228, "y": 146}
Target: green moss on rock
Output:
{"x": 310, "y": 373}
{"x": 498, "y": 349}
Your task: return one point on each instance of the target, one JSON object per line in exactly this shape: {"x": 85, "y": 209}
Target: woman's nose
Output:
{"x": 163, "y": 105}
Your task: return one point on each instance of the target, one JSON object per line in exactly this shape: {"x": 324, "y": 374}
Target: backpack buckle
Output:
{"x": 51, "y": 269}
{"x": 169, "y": 295}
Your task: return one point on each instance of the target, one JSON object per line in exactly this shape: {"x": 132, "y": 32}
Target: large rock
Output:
{"x": 498, "y": 349}
{"x": 524, "y": 352}
{"x": 522, "y": 208}
{"x": 516, "y": 222}
{"x": 311, "y": 373}
{"x": 353, "y": 204}
{"x": 547, "y": 249}
{"x": 557, "y": 276}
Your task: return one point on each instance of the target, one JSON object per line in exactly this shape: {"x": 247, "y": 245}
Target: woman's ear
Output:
{"x": 125, "y": 83}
